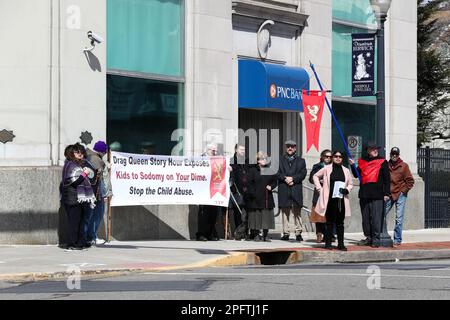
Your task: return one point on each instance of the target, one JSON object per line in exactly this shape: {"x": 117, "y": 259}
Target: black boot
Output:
{"x": 266, "y": 238}
{"x": 340, "y": 236}
{"x": 328, "y": 235}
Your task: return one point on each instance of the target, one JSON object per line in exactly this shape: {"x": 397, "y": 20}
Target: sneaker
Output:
{"x": 257, "y": 238}
{"x": 285, "y": 237}
{"x": 72, "y": 248}
{"x": 201, "y": 238}
{"x": 299, "y": 238}
{"x": 267, "y": 239}
{"x": 328, "y": 247}
{"x": 342, "y": 248}
{"x": 397, "y": 244}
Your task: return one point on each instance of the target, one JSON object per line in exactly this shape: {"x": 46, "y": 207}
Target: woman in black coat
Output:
{"x": 260, "y": 199}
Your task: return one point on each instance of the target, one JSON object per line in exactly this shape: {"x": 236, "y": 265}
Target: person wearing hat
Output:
{"x": 95, "y": 157}
{"x": 291, "y": 173}
{"x": 374, "y": 191}
{"x": 401, "y": 182}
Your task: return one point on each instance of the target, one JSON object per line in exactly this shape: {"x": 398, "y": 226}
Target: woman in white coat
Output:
{"x": 333, "y": 201}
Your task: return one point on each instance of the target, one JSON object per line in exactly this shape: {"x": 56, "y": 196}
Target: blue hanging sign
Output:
{"x": 363, "y": 64}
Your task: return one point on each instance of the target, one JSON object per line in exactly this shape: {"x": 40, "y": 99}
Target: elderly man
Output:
{"x": 207, "y": 215}
{"x": 402, "y": 182}
{"x": 291, "y": 173}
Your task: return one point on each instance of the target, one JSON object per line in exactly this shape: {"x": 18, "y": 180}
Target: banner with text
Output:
{"x": 363, "y": 64}
{"x": 139, "y": 179}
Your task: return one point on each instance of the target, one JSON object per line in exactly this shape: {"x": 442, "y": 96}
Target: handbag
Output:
{"x": 315, "y": 217}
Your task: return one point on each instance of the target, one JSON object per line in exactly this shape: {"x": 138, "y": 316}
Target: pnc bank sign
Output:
{"x": 279, "y": 92}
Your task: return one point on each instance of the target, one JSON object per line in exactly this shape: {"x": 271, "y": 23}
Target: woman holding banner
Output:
{"x": 333, "y": 202}
{"x": 260, "y": 187}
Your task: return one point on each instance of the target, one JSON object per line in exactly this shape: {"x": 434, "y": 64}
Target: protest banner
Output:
{"x": 139, "y": 179}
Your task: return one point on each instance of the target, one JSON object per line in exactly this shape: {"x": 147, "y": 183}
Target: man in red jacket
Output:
{"x": 374, "y": 191}
{"x": 401, "y": 182}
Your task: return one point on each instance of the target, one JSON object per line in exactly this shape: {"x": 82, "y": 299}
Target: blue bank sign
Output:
{"x": 271, "y": 86}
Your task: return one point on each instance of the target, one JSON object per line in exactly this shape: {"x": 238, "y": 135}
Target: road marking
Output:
{"x": 440, "y": 269}
{"x": 81, "y": 265}
{"x": 294, "y": 274}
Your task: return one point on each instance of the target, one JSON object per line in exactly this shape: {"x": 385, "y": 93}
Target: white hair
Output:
{"x": 210, "y": 146}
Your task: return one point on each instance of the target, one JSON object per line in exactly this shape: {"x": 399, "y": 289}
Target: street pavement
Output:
{"x": 416, "y": 280}
{"x": 35, "y": 262}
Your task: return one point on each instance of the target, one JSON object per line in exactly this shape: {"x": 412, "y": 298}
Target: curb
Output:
{"x": 286, "y": 256}
{"x": 232, "y": 259}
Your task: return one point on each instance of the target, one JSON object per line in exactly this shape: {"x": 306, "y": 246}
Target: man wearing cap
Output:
{"x": 374, "y": 191}
{"x": 100, "y": 187}
{"x": 401, "y": 182}
{"x": 291, "y": 173}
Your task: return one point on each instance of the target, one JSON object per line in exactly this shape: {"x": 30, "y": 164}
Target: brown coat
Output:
{"x": 325, "y": 173}
{"x": 401, "y": 179}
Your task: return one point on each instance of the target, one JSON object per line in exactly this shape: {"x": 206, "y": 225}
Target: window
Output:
{"x": 354, "y": 120}
{"x": 145, "y": 74}
{"x": 142, "y": 114}
{"x": 356, "y": 115}
{"x": 358, "y": 12}
{"x": 145, "y": 36}
{"x": 342, "y": 61}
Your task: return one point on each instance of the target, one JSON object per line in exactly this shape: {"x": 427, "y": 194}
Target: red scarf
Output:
{"x": 370, "y": 170}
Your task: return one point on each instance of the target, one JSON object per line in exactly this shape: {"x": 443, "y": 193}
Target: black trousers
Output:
{"x": 372, "y": 219}
{"x": 207, "y": 217}
{"x": 76, "y": 216}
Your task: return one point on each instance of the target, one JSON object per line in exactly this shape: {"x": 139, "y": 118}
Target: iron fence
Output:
{"x": 434, "y": 168}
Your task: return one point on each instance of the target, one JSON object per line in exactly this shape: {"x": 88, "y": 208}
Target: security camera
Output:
{"x": 94, "y": 37}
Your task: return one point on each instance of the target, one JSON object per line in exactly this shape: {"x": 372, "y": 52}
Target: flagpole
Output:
{"x": 108, "y": 201}
{"x": 335, "y": 120}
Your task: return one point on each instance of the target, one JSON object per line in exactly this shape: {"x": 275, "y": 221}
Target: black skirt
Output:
{"x": 261, "y": 219}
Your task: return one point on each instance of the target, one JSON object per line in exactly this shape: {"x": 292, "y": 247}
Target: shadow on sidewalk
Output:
{"x": 201, "y": 251}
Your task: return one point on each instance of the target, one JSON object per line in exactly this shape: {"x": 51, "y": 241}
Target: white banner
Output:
{"x": 139, "y": 179}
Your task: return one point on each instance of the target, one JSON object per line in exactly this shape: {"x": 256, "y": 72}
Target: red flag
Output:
{"x": 218, "y": 171}
{"x": 313, "y": 109}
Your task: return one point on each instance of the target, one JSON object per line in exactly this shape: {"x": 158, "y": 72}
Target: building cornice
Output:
{"x": 250, "y": 14}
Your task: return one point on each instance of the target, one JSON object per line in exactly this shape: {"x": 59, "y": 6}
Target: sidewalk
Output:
{"x": 25, "y": 263}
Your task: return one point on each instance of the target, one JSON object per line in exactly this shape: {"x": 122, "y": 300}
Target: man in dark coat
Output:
{"x": 374, "y": 191}
{"x": 240, "y": 166}
{"x": 290, "y": 175}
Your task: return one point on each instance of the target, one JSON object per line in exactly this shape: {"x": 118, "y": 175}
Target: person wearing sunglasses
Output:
{"x": 374, "y": 191}
{"x": 325, "y": 159}
{"x": 333, "y": 202}
{"x": 291, "y": 173}
{"x": 77, "y": 195}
